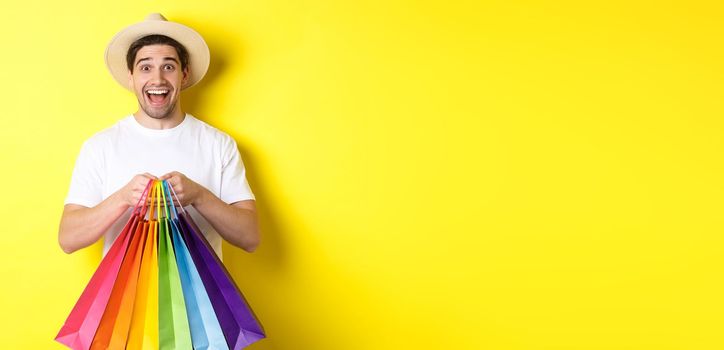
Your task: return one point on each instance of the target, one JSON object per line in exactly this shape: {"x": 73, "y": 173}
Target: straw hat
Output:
{"x": 155, "y": 23}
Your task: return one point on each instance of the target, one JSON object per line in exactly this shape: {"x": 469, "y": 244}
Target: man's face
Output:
{"x": 157, "y": 79}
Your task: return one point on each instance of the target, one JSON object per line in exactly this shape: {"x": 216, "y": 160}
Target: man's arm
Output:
{"x": 237, "y": 223}
{"x": 81, "y": 226}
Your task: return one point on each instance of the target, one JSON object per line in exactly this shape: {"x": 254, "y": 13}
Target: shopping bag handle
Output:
{"x": 164, "y": 193}
{"x": 172, "y": 194}
{"x": 149, "y": 201}
{"x": 144, "y": 196}
{"x": 159, "y": 196}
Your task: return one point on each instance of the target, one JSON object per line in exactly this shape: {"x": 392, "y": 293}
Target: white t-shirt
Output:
{"x": 110, "y": 158}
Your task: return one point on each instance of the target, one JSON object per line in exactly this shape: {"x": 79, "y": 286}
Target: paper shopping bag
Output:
{"x": 144, "y": 322}
{"x": 240, "y": 325}
{"x": 82, "y": 323}
{"x": 115, "y": 323}
{"x": 173, "y": 332}
{"x": 206, "y": 331}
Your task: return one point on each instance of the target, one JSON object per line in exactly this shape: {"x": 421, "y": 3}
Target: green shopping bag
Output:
{"x": 174, "y": 332}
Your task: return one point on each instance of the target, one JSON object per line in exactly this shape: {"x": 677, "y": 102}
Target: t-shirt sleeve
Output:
{"x": 86, "y": 183}
{"x": 234, "y": 186}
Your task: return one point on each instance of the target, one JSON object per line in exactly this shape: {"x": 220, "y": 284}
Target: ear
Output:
{"x": 187, "y": 75}
{"x": 130, "y": 78}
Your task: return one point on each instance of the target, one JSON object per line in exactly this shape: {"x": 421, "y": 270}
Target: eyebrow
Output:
{"x": 165, "y": 59}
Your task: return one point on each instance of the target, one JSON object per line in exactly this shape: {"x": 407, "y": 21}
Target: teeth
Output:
{"x": 157, "y": 92}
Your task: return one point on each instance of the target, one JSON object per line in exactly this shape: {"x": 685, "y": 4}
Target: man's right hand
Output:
{"x": 131, "y": 192}
{"x": 82, "y": 226}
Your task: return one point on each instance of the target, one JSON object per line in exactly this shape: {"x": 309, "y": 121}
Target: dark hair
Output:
{"x": 156, "y": 39}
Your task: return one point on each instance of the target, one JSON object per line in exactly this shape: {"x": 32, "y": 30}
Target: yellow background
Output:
{"x": 430, "y": 175}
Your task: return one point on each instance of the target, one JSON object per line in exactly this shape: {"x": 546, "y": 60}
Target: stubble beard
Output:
{"x": 157, "y": 113}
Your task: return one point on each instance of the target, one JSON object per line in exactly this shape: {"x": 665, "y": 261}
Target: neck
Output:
{"x": 172, "y": 120}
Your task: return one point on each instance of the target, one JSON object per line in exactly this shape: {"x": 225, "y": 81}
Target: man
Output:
{"x": 156, "y": 59}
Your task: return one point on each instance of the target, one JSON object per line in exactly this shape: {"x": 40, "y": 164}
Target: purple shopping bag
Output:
{"x": 240, "y": 325}
{"x": 238, "y": 322}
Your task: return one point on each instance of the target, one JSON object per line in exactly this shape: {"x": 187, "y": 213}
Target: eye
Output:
{"x": 144, "y": 68}
{"x": 169, "y": 67}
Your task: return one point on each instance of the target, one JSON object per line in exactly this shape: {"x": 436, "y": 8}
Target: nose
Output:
{"x": 157, "y": 76}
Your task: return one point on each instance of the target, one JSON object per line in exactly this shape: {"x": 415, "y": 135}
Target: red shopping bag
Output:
{"x": 116, "y": 321}
{"x": 83, "y": 321}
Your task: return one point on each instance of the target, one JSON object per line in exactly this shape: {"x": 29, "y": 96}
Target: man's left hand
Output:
{"x": 187, "y": 191}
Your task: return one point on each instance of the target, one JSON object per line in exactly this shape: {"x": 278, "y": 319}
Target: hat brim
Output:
{"x": 117, "y": 49}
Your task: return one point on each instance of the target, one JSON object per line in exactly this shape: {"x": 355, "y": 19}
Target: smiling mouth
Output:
{"x": 158, "y": 96}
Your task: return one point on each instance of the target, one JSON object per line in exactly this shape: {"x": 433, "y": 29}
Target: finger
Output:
{"x": 176, "y": 182}
{"x": 142, "y": 178}
{"x": 175, "y": 174}
{"x": 140, "y": 186}
{"x": 179, "y": 188}
{"x": 169, "y": 180}
{"x": 141, "y": 181}
{"x": 171, "y": 175}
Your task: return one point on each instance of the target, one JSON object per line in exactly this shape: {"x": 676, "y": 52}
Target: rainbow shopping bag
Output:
{"x": 206, "y": 332}
{"x": 174, "y": 332}
{"x": 115, "y": 324}
{"x": 144, "y": 323}
{"x": 161, "y": 286}
{"x": 80, "y": 327}
{"x": 240, "y": 326}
